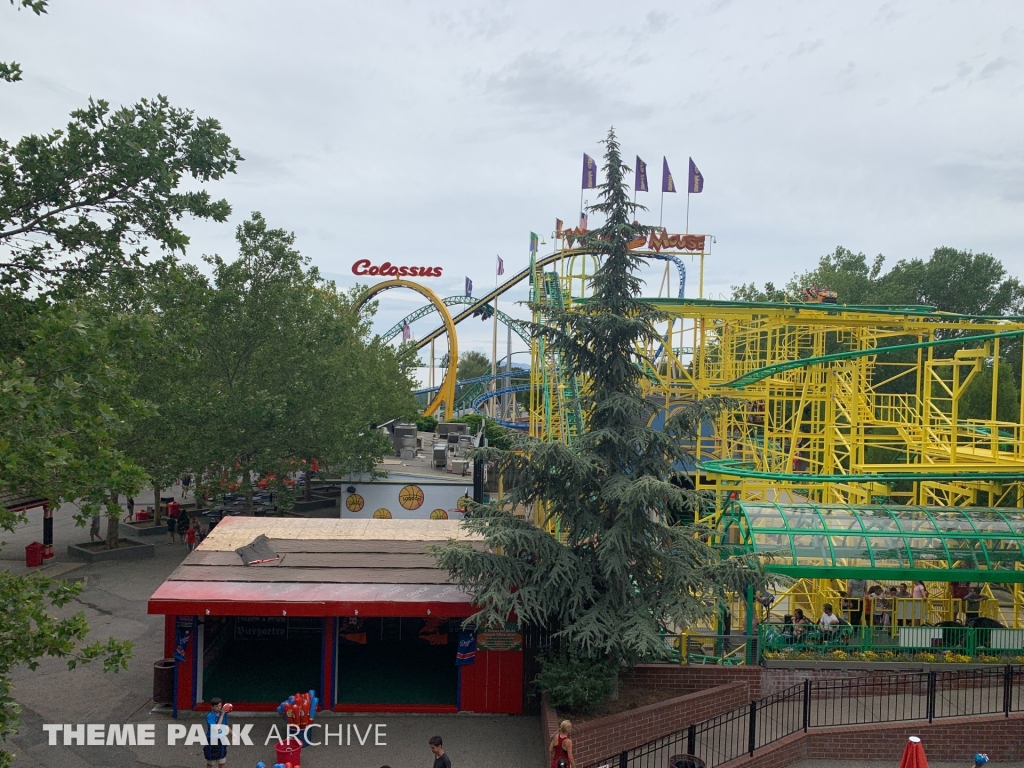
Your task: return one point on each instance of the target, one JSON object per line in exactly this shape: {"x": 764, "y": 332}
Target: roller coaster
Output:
{"x": 882, "y": 410}
{"x": 831, "y": 403}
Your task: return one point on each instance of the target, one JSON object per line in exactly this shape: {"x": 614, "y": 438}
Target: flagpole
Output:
{"x": 581, "y": 206}
{"x": 661, "y": 214}
{"x": 687, "y": 211}
{"x": 494, "y": 346}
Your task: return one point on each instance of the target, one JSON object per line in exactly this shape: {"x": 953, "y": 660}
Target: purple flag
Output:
{"x": 406, "y": 331}
{"x": 695, "y": 184}
{"x": 640, "y": 184}
{"x": 589, "y": 172}
{"x": 667, "y": 184}
{"x": 501, "y": 266}
{"x": 469, "y": 287}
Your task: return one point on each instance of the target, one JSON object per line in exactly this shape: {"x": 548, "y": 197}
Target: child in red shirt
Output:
{"x": 191, "y": 536}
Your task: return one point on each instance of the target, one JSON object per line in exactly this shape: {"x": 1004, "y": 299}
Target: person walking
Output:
{"x": 173, "y": 510}
{"x": 441, "y": 760}
{"x": 130, "y": 504}
{"x": 94, "y": 529}
{"x": 561, "y": 747}
{"x": 192, "y": 536}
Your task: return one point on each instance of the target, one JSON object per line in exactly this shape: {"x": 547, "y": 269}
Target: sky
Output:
{"x": 443, "y": 133}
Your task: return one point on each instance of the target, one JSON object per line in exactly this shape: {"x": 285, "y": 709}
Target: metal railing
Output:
{"x": 828, "y": 703}
{"x": 786, "y": 639}
{"x": 704, "y": 648}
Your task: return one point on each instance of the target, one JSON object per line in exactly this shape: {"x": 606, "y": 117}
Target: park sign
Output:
{"x": 387, "y": 269}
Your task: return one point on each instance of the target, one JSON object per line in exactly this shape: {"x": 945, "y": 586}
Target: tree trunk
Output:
{"x": 156, "y": 502}
{"x": 113, "y": 521}
{"x": 248, "y": 500}
{"x": 308, "y": 495}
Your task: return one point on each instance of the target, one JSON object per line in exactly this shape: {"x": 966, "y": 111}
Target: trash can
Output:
{"x": 34, "y": 554}
{"x": 163, "y": 681}
{"x": 288, "y": 751}
{"x": 685, "y": 761}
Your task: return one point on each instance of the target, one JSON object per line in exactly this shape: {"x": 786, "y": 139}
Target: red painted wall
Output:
{"x": 493, "y": 683}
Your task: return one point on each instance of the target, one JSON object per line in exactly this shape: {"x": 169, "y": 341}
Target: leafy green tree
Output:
{"x": 976, "y": 401}
{"x": 10, "y": 71}
{"x": 80, "y": 205}
{"x": 289, "y": 370}
{"x": 26, "y": 602}
{"x": 473, "y": 365}
{"x": 950, "y": 280}
{"x": 623, "y": 572}
{"x": 78, "y": 209}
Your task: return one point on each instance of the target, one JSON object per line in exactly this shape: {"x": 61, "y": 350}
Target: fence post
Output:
{"x": 691, "y": 739}
{"x": 623, "y": 758}
{"x": 807, "y": 704}
{"x": 1007, "y": 689}
{"x": 752, "y": 739}
{"x": 930, "y": 706}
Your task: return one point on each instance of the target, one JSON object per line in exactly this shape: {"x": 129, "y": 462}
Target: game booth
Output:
{"x": 353, "y": 609}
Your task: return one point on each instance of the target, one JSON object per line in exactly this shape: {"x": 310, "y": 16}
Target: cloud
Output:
{"x": 542, "y": 82}
{"x": 994, "y": 67}
{"x": 807, "y": 46}
{"x": 656, "y": 21}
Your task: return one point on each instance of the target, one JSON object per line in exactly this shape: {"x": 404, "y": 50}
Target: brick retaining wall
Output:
{"x": 954, "y": 739}
{"x": 692, "y": 678}
{"x": 606, "y": 736}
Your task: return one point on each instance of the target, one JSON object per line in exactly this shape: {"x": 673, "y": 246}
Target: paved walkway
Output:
{"x": 114, "y": 603}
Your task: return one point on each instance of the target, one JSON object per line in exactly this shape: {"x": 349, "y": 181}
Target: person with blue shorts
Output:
{"x": 216, "y": 754}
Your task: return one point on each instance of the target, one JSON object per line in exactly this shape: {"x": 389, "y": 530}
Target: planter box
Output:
{"x": 874, "y": 666}
{"x": 136, "y": 550}
{"x": 145, "y": 528}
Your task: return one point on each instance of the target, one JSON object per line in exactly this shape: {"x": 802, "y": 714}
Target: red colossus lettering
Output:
{"x": 387, "y": 269}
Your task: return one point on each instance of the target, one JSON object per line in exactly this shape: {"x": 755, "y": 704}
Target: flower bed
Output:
{"x": 946, "y": 657}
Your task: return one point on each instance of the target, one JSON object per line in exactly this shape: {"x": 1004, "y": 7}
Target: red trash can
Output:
{"x": 288, "y": 751}
{"x": 34, "y": 554}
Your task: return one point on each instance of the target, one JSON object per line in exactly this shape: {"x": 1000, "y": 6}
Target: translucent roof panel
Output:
{"x": 839, "y": 540}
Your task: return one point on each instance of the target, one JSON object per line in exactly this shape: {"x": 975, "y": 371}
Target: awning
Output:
{"x": 191, "y": 598}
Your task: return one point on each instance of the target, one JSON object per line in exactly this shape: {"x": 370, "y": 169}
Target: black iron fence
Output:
{"x": 827, "y": 703}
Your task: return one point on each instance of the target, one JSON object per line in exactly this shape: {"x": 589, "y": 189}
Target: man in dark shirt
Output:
{"x": 440, "y": 758}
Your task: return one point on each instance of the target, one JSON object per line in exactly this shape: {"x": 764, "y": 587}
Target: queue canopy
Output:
{"x": 881, "y": 541}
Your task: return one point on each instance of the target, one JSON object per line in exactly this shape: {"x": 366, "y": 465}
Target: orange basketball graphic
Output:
{"x": 354, "y": 503}
{"x": 410, "y": 497}
{"x": 438, "y": 514}
{"x": 382, "y": 514}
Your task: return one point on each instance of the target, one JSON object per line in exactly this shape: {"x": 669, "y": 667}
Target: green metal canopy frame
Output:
{"x": 828, "y": 541}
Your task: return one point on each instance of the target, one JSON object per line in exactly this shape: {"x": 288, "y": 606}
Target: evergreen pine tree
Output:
{"x": 624, "y": 572}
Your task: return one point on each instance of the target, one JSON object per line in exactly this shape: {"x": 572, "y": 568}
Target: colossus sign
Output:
{"x": 387, "y": 269}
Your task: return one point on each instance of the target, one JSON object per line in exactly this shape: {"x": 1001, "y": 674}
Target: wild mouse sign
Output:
{"x": 387, "y": 269}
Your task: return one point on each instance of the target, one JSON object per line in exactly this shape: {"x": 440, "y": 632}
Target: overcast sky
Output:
{"x": 441, "y": 134}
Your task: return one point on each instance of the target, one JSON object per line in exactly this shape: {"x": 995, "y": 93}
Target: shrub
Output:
{"x": 576, "y": 684}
